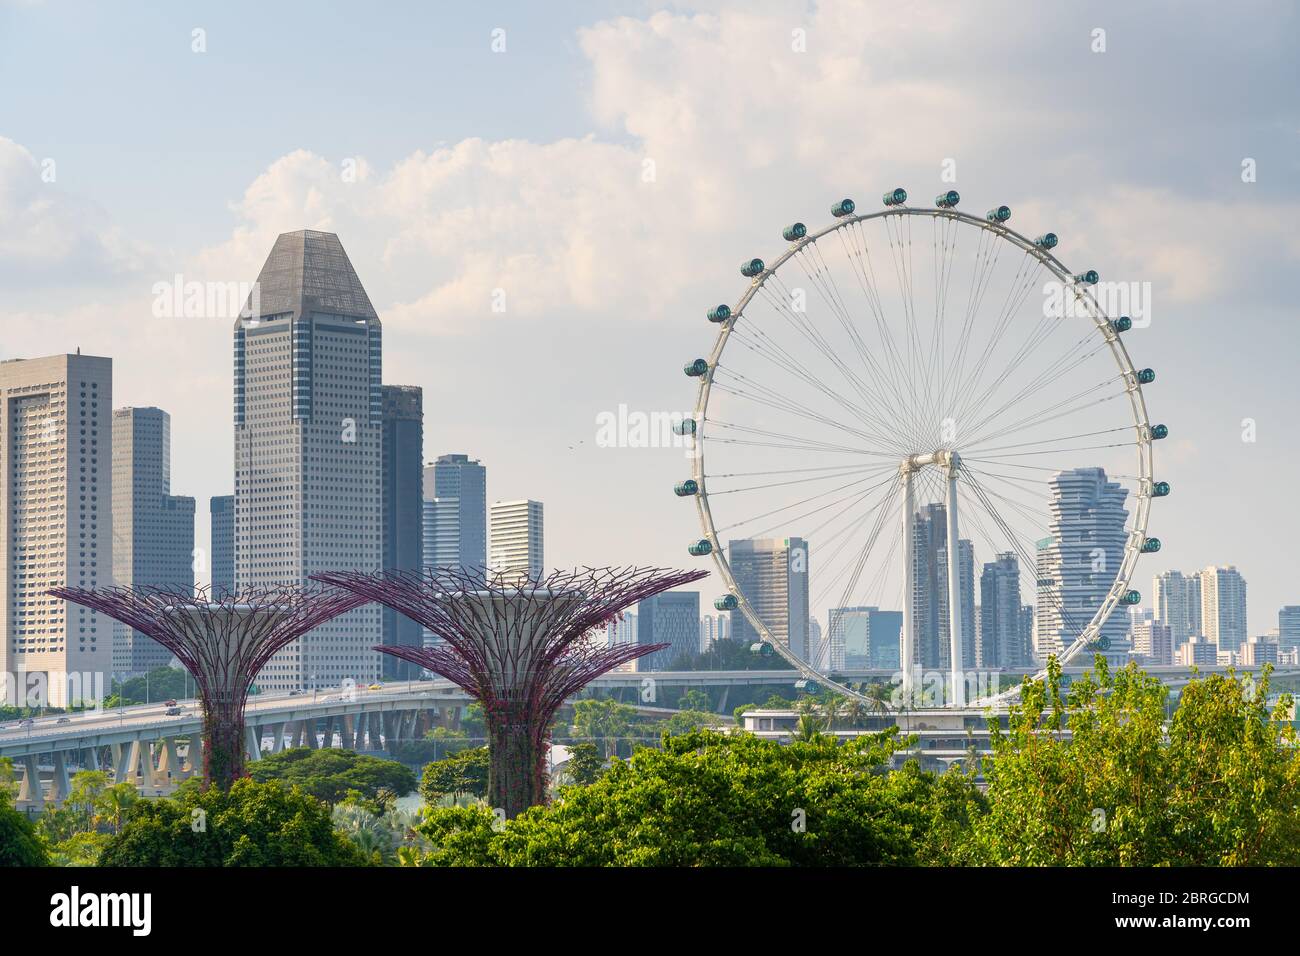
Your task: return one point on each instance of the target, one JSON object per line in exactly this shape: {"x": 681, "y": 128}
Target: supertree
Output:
{"x": 223, "y": 639}
{"x": 520, "y": 647}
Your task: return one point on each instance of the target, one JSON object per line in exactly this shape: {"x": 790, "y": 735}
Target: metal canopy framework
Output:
{"x": 520, "y": 647}
{"x": 223, "y": 639}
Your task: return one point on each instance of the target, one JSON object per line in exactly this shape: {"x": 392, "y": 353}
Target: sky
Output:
{"x": 542, "y": 200}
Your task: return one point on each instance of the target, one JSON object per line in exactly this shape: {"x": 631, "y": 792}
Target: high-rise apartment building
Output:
{"x": 1077, "y": 565}
{"x": 1152, "y": 640}
{"x": 517, "y": 539}
{"x": 308, "y": 449}
{"x": 871, "y": 637}
{"x": 456, "y": 488}
{"x": 56, "y": 524}
{"x": 672, "y": 618}
{"x": 1223, "y": 607}
{"x": 153, "y": 530}
{"x": 966, "y": 584}
{"x": 1176, "y": 600}
{"x": 772, "y": 574}
{"x": 221, "y": 510}
{"x": 403, "y": 507}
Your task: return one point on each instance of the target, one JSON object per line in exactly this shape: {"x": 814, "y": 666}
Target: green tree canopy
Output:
{"x": 330, "y": 774}
{"x": 252, "y": 824}
{"x": 464, "y": 772}
{"x": 708, "y": 799}
{"x": 19, "y": 843}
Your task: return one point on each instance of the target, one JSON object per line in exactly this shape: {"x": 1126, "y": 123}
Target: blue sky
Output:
{"x": 523, "y": 170}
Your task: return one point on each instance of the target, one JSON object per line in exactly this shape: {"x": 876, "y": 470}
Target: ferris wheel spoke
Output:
{"x": 857, "y": 495}
{"x": 855, "y": 470}
{"x": 864, "y": 271}
{"x": 1043, "y": 416}
{"x": 869, "y": 546}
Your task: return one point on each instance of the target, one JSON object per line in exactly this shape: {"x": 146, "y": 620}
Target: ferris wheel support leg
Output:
{"x": 958, "y": 698}
{"x": 908, "y": 650}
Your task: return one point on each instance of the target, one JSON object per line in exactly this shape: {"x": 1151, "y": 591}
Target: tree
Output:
{"x": 585, "y": 765}
{"x": 251, "y": 824}
{"x": 1217, "y": 785}
{"x": 602, "y": 719}
{"x": 694, "y": 699}
{"x": 709, "y": 799}
{"x": 19, "y": 843}
{"x": 808, "y": 728}
{"x": 464, "y": 772}
{"x": 330, "y": 774}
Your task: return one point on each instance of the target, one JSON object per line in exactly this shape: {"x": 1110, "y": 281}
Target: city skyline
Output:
{"x": 1135, "y": 211}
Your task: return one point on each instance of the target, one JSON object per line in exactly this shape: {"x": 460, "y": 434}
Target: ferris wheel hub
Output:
{"x": 943, "y": 458}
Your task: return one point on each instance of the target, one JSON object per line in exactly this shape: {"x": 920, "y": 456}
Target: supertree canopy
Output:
{"x": 519, "y": 647}
{"x": 223, "y": 639}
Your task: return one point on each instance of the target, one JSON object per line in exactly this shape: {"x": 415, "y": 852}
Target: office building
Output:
{"x": 153, "y": 530}
{"x": 308, "y": 449}
{"x": 1001, "y": 631}
{"x": 1152, "y": 640}
{"x": 56, "y": 524}
{"x": 402, "y": 442}
{"x": 871, "y": 638}
{"x": 516, "y": 540}
{"x": 1288, "y": 627}
{"x": 456, "y": 488}
{"x": 672, "y": 618}
{"x": 1197, "y": 651}
{"x": 772, "y": 574}
{"x": 221, "y": 510}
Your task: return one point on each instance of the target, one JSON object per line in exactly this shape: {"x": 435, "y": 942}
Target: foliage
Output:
{"x": 380, "y": 834}
{"x": 708, "y": 799}
{"x": 1218, "y": 785}
{"x": 160, "y": 684}
{"x": 602, "y": 719}
{"x": 20, "y": 845}
{"x": 462, "y": 773}
{"x": 330, "y": 775}
{"x": 251, "y": 824}
{"x": 585, "y": 765}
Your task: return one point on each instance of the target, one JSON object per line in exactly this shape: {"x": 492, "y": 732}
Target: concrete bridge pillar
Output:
{"x": 277, "y": 737}
{"x": 194, "y": 755}
{"x": 253, "y": 743}
{"x": 30, "y": 793}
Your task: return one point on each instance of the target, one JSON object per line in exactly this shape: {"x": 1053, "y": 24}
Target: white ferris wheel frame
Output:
{"x": 1141, "y": 423}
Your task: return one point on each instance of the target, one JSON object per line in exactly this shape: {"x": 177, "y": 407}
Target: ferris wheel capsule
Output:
{"x": 751, "y": 268}
{"x": 696, "y": 369}
{"x": 843, "y": 208}
{"x": 684, "y": 489}
{"x": 727, "y": 602}
{"x": 719, "y": 313}
{"x": 1150, "y": 545}
{"x": 1088, "y": 278}
{"x": 947, "y": 200}
{"x": 1047, "y": 240}
{"x": 1122, "y": 324}
{"x": 895, "y": 197}
{"x": 699, "y": 548}
{"x": 685, "y": 427}
{"x": 998, "y": 214}
{"x": 1160, "y": 489}
{"x": 1159, "y": 431}
{"x": 794, "y": 232}
{"x": 1131, "y": 597}
{"x": 1146, "y": 376}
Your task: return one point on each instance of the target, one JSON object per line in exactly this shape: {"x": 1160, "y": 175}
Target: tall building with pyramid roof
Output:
{"x": 308, "y": 453}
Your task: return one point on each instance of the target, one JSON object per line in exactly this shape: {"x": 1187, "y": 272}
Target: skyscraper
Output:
{"x": 930, "y": 589}
{"x": 1001, "y": 627}
{"x": 517, "y": 538}
{"x": 871, "y": 637}
{"x": 153, "y": 530}
{"x": 457, "y": 488}
{"x": 1223, "y": 607}
{"x": 308, "y": 448}
{"x": 403, "y": 480}
{"x": 222, "y": 512}
{"x": 56, "y": 523}
{"x": 1288, "y": 627}
{"x": 672, "y": 618}
{"x": 1077, "y": 565}
{"x": 829, "y": 653}
{"x": 772, "y": 574}
{"x": 1176, "y": 600}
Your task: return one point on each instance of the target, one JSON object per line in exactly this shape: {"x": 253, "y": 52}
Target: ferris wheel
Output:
{"x": 902, "y": 398}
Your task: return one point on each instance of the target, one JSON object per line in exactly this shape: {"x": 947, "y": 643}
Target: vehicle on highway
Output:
{"x": 376, "y": 687}
{"x": 173, "y": 711}
{"x": 170, "y": 703}
{"x": 62, "y": 720}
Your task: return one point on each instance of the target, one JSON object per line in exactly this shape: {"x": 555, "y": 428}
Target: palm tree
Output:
{"x": 855, "y": 712}
{"x": 881, "y": 697}
{"x": 808, "y": 729}
{"x": 832, "y": 709}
